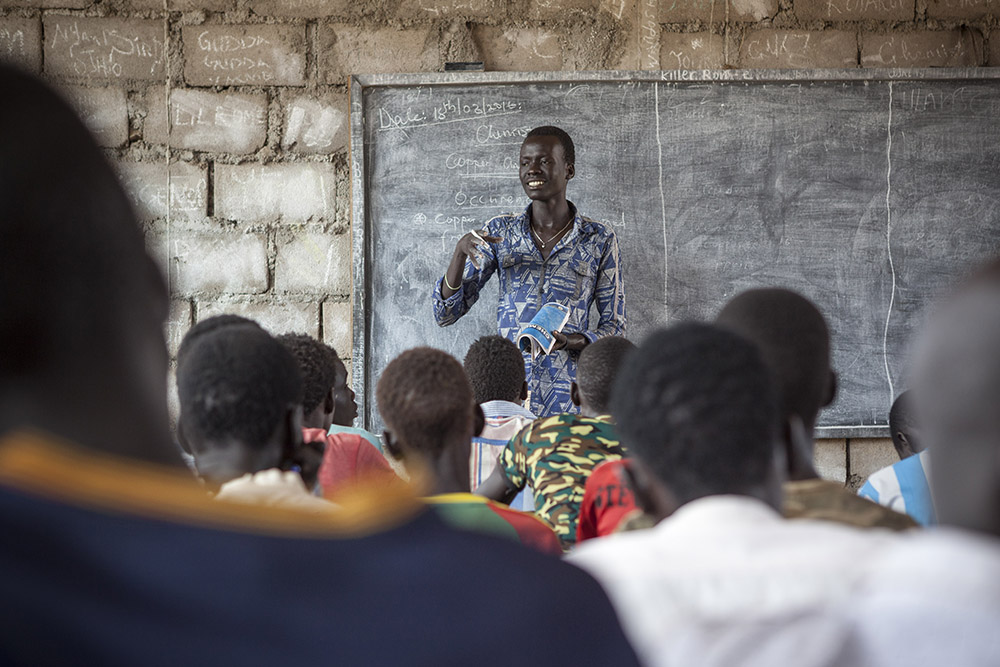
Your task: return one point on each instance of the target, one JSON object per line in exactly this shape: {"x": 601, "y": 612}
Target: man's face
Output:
{"x": 345, "y": 409}
{"x": 544, "y": 172}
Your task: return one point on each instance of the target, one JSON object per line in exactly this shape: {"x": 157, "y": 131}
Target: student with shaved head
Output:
{"x": 427, "y": 404}
{"x": 794, "y": 341}
{"x": 698, "y": 410}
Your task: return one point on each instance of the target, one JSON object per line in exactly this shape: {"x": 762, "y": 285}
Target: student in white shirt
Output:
{"x": 697, "y": 408}
{"x": 496, "y": 372}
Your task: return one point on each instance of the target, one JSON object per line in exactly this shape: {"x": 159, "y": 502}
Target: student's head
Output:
{"x": 794, "y": 341}
{"x": 956, "y": 390}
{"x": 696, "y": 406}
{"x": 318, "y": 368}
{"x": 495, "y": 369}
{"x": 547, "y": 162}
{"x": 208, "y": 325}
{"x": 82, "y": 305}
{"x": 596, "y": 372}
{"x": 241, "y": 403}
{"x": 429, "y": 412}
{"x": 903, "y": 427}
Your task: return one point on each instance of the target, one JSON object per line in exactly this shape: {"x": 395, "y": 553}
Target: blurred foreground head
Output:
{"x": 697, "y": 407}
{"x": 956, "y": 392}
{"x": 82, "y": 305}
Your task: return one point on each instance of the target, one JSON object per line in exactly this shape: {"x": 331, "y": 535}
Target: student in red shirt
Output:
{"x": 348, "y": 458}
{"x": 430, "y": 418}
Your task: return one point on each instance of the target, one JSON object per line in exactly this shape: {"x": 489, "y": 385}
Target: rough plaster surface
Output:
{"x": 257, "y": 133}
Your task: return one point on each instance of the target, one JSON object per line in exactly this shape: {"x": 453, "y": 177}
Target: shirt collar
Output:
{"x": 581, "y": 225}
{"x": 721, "y": 510}
{"x": 501, "y": 409}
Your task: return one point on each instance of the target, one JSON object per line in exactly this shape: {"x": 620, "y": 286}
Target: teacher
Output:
{"x": 547, "y": 253}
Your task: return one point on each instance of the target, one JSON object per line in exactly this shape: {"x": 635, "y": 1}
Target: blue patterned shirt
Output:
{"x": 584, "y": 268}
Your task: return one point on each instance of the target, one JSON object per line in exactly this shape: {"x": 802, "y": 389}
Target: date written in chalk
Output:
{"x": 458, "y": 107}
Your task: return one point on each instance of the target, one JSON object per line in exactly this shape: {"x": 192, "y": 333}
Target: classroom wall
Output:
{"x": 246, "y": 100}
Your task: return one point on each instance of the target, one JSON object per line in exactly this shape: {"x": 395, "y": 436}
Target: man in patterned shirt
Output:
{"x": 547, "y": 253}
{"x": 555, "y": 455}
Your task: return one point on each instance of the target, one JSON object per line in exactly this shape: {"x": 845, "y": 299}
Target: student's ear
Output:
{"x": 478, "y": 421}
{"x": 391, "y": 446}
{"x": 574, "y": 393}
{"x": 291, "y": 433}
{"x": 329, "y": 402}
{"x": 570, "y": 171}
{"x": 651, "y": 495}
{"x": 831, "y": 390}
{"x": 524, "y": 391}
{"x": 798, "y": 445}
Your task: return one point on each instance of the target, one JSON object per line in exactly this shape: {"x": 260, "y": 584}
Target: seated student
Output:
{"x": 903, "y": 486}
{"x": 934, "y": 598}
{"x": 555, "y": 455}
{"x": 326, "y": 399}
{"x": 697, "y": 410}
{"x": 113, "y": 554}
{"x": 496, "y": 371}
{"x": 430, "y": 417}
{"x": 795, "y": 343}
{"x": 240, "y": 397}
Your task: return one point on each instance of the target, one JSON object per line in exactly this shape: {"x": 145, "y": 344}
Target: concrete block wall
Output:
{"x": 243, "y": 103}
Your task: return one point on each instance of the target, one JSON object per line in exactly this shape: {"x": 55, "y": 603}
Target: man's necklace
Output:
{"x": 551, "y": 238}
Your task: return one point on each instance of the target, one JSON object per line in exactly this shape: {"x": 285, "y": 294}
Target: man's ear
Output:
{"x": 391, "y": 446}
{"x": 831, "y": 390}
{"x": 570, "y": 171}
{"x": 524, "y": 391}
{"x": 651, "y": 495}
{"x": 291, "y": 433}
{"x": 574, "y": 393}
{"x": 329, "y": 402}
{"x": 478, "y": 421}
{"x": 798, "y": 446}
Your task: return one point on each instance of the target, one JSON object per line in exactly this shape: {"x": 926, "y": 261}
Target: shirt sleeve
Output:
{"x": 448, "y": 311}
{"x": 372, "y": 466}
{"x": 609, "y": 294}
{"x": 513, "y": 459}
{"x": 868, "y": 491}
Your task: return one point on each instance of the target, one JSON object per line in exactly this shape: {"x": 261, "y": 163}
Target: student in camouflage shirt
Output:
{"x": 555, "y": 455}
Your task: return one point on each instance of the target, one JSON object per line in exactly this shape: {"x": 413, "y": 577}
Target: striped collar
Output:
{"x": 504, "y": 409}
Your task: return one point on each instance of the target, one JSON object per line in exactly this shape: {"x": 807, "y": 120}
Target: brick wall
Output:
{"x": 255, "y": 128}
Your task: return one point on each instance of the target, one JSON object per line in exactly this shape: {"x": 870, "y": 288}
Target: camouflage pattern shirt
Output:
{"x": 555, "y": 456}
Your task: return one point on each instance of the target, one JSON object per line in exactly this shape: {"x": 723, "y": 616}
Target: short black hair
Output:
{"x": 208, "y": 325}
{"x": 901, "y": 418}
{"x": 317, "y": 365}
{"x": 597, "y": 369}
{"x": 425, "y": 398}
{"x": 794, "y": 341}
{"x": 696, "y": 404}
{"x": 495, "y": 368}
{"x": 236, "y": 382}
{"x": 569, "y": 151}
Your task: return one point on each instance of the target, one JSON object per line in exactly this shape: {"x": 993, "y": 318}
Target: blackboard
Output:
{"x": 869, "y": 191}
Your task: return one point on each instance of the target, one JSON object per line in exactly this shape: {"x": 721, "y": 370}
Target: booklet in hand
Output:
{"x": 537, "y": 334}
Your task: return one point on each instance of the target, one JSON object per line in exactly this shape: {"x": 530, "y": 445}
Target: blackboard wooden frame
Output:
{"x": 362, "y": 253}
